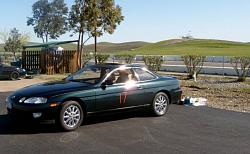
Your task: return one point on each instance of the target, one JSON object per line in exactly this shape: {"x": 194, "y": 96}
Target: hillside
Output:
{"x": 105, "y": 47}
{"x": 196, "y": 46}
{"x": 115, "y": 47}
{"x": 102, "y": 46}
{"x": 170, "y": 47}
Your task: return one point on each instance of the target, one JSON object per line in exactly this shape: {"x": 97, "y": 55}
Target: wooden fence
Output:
{"x": 31, "y": 60}
{"x": 50, "y": 62}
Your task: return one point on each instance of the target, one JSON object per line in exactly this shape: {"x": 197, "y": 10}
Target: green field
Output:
{"x": 104, "y": 47}
{"x": 197, "y": 46}
{"x": 107, "y": 47}
{"x": 170, "y": 47}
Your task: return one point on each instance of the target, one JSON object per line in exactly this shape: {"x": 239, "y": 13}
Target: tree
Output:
{"x": 127, "y": 58}
{"x": 105, "y": 16}
{"x": 92, "y": 18}
{"x": 153, "y": 62}
{"x": 14, "y": 42}
{"x": 78, "y": 20}
{"x": 4, "y": 36}
{"x": 194, "y": 64}
{"x": 25, "y": 37}
{"x": 49, "y": 19}
{"x": 101, "y": 58}
{"x": 241, "y": 66}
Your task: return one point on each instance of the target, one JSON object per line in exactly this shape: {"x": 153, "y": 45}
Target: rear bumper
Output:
{"x": 176, "y": 96}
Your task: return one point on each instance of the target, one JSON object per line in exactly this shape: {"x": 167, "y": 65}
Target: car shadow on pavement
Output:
{"x": 116, "y": 116}
{"x": 8, "y": 126}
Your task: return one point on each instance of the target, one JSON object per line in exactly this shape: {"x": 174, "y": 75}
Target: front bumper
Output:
{"x": 22, "y": 73}
{"x": 27, "y": 110}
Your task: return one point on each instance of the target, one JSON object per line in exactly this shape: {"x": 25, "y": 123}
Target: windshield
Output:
{"x": 3, "y": 65}
{"x": 90, "y": 74}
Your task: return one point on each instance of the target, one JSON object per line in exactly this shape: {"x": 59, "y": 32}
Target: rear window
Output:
{"x": 144, "y": 75}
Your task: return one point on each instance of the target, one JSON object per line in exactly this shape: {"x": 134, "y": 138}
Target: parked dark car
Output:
{"x": 11, "y": 72}
{"x": 95, "y": 89}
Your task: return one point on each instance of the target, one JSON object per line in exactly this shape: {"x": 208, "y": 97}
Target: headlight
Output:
{"x": 36, "y": 100}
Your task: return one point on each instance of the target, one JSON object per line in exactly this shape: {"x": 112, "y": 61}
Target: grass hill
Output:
{"x": 170, "y": 47}
{"x": 116, "y": 47}
{"x": 102, "y": 46}
{"x": 196, "y": 46}
{"x": 106, "y": 47}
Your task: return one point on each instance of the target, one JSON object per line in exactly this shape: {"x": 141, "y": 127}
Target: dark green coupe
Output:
{"x": 95, "y": 89}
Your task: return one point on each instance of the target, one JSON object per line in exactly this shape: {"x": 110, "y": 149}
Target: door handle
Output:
{"x": 139, "y": 87}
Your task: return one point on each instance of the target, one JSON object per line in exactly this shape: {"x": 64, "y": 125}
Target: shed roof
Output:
{"x": 44, "y": 45}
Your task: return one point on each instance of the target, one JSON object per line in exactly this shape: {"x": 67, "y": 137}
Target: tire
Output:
{"x": 14, "y": 76}
{"x": 70, "y": 116}
{"x": 160, "y": 104}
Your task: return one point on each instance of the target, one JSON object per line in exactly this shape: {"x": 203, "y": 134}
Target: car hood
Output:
{"x": 51, "y": 88}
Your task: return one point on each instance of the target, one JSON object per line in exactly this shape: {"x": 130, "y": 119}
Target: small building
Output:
{"x": 50, "y": 58}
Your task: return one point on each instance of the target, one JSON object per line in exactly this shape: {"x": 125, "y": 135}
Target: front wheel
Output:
{"x": 14, "y": 75}
{"x": 160, "y": 104}
{"x": 71, "y": 116}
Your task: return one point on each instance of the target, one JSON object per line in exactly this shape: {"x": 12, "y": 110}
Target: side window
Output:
{"x": 122, "y": 76}
{"x": 144, "y": 75}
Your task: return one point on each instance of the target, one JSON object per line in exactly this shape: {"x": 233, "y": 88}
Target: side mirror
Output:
{"x": 67, "y": 78}
{"x": 105, "y": 83}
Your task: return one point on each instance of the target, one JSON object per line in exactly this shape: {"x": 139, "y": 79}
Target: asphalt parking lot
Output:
{"x": 182, "y": 130}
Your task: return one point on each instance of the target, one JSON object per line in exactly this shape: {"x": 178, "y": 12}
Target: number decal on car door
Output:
{"x": 124, "y": 96}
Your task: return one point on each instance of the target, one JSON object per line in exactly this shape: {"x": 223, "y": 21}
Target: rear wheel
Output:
{"x": 14, "y": 75}
{"x": 71, "y": 116}
{"x": 160, "y": 104}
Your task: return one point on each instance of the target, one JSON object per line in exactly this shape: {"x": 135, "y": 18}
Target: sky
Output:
{"x": 154, "y": 20}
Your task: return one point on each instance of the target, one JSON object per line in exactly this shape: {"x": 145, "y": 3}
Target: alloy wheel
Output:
{"x": 160, "y": 104}
{"x": 72, "y": 116}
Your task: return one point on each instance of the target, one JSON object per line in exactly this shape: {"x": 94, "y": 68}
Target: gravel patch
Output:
{"x": 221, "y": 93}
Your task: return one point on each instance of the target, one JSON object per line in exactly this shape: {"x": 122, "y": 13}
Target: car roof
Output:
{"x": 116, "y": 65}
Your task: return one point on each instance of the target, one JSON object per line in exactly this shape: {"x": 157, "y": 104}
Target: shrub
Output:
{"x": 101, "y": 58}
{"x": 86, "y": 57}
{"x": 241, "y": 66}
{"x": 128, "y": 59}
{"x": 194, "y": 64}
{"x": 153, "y": 62}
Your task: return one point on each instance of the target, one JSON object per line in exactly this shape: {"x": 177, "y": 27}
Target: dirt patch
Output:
{"x": 221, "y": 93}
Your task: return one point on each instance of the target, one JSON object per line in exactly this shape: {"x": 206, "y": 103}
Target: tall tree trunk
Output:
{"x": 81, "y": 49}
{"x": 47, "y": 38}
{"x": 14, "y": 53}
{"x": 95, "y": 49}
{"x": 78, "y": 50}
